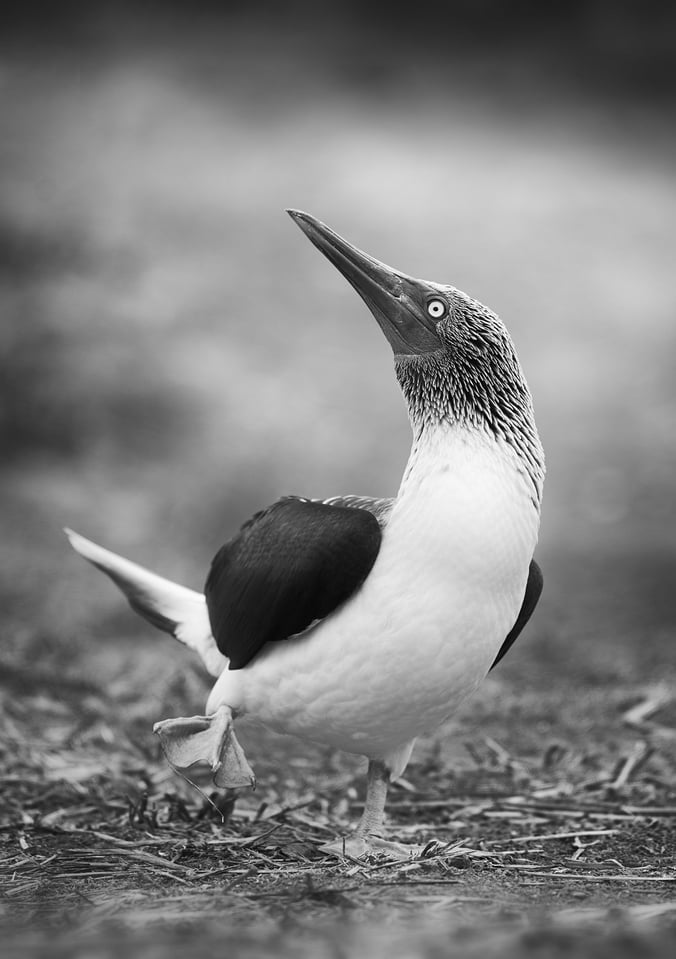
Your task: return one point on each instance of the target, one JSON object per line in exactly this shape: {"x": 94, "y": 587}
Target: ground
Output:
{"x": 548, "y": 818}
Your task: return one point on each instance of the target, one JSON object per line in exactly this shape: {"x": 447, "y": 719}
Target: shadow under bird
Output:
{"x": 360, "y": 622}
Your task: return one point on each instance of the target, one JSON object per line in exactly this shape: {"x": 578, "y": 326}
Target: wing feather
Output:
{"x": 290, "y": 565}
{"x": 530, "y": 600}
{"x": 381, "y": 507}
{"x": 166, "y": 605}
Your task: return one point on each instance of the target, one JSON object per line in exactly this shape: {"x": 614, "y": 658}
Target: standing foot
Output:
{"x": 367, "y": 841}
{"x": 361, "y": 847}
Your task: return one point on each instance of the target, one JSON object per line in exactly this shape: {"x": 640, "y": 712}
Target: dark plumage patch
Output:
{"x": 288, "y": 566}
{"x": 530, "y": 601}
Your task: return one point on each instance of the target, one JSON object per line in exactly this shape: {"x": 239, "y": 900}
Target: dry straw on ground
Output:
{"x": 98, "y": 834}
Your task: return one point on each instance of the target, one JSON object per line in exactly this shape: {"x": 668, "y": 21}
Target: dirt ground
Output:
{"x": 548, "y": 817}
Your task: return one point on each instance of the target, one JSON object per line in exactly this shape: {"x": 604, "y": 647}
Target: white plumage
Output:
{"x": 409, "y": 647}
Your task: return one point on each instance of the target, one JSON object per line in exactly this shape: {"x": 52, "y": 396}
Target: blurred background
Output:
{"x": 175, "y": 354}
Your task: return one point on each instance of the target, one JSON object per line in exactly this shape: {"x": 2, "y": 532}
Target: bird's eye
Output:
{"x": 436, "y": 308}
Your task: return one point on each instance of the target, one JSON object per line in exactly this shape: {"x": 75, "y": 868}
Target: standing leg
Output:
{"x": 378, "y": 780}
{"x": 367, "y": 838}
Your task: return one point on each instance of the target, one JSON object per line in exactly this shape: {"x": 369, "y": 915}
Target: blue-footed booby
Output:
{"x": 357, "y": 622}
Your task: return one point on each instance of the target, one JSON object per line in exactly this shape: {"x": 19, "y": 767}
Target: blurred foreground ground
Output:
{"x": 175, "y": 355}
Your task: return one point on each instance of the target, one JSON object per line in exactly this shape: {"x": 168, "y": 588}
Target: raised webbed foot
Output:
{"x": 207, "y": 739}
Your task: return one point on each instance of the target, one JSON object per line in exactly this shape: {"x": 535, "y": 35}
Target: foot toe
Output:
{"x": 360, "y": 847}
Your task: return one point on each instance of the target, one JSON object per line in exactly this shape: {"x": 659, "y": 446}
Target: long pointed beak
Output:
{"x": 396, "y": 300}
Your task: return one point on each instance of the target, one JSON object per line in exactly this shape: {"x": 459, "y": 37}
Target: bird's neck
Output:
{"x": 483, "y": 397}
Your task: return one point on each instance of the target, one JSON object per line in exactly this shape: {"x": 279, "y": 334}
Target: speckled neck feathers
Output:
{"x": 474, "y": 381}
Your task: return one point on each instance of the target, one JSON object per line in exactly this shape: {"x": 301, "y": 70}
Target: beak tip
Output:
{"x": 306, "y": 222}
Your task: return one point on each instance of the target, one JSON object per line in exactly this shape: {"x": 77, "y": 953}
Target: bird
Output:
{"x": 360, "y": 622}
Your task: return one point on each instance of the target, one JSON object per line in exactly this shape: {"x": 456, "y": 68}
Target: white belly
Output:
{"x": 419, "y": 636}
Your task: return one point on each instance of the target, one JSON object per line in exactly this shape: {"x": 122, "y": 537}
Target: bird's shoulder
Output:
{"x": 291, "y": 564}
{"x": 379, "y": 506}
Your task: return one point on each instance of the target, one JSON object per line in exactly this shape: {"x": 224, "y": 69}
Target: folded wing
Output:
{"x": 289, "y": 566}
{"x": 530, "y": 600}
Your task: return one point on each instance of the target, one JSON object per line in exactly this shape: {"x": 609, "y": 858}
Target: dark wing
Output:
{"x": 380, "y": 507}
{"x": 530, "y": 601}
{"x": 290, "y": 565}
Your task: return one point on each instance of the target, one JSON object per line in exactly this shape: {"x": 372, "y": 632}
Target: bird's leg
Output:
{"x": 371, "y": 822}
{"x": 207, "y": 739}
{"x": 366, "y": 838}
{"x": 377, "y": 782}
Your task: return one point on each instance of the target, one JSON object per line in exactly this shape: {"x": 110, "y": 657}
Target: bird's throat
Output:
{"x": 447, "y": 395}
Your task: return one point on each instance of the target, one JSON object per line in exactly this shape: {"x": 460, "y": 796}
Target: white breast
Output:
{"x": 404, "y": 652}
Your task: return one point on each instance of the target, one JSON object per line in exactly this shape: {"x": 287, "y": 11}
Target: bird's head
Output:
{"x": 455, "y": 360}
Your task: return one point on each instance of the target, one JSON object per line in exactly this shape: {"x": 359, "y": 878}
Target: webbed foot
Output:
{"x": 207, "y": 739}
{"x": 361, "y": 847}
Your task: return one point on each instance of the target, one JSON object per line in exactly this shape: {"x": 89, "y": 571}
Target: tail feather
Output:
{"x": 175, "y": 609}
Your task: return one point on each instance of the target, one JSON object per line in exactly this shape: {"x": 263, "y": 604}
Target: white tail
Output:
{"x": 175, "y": 609}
